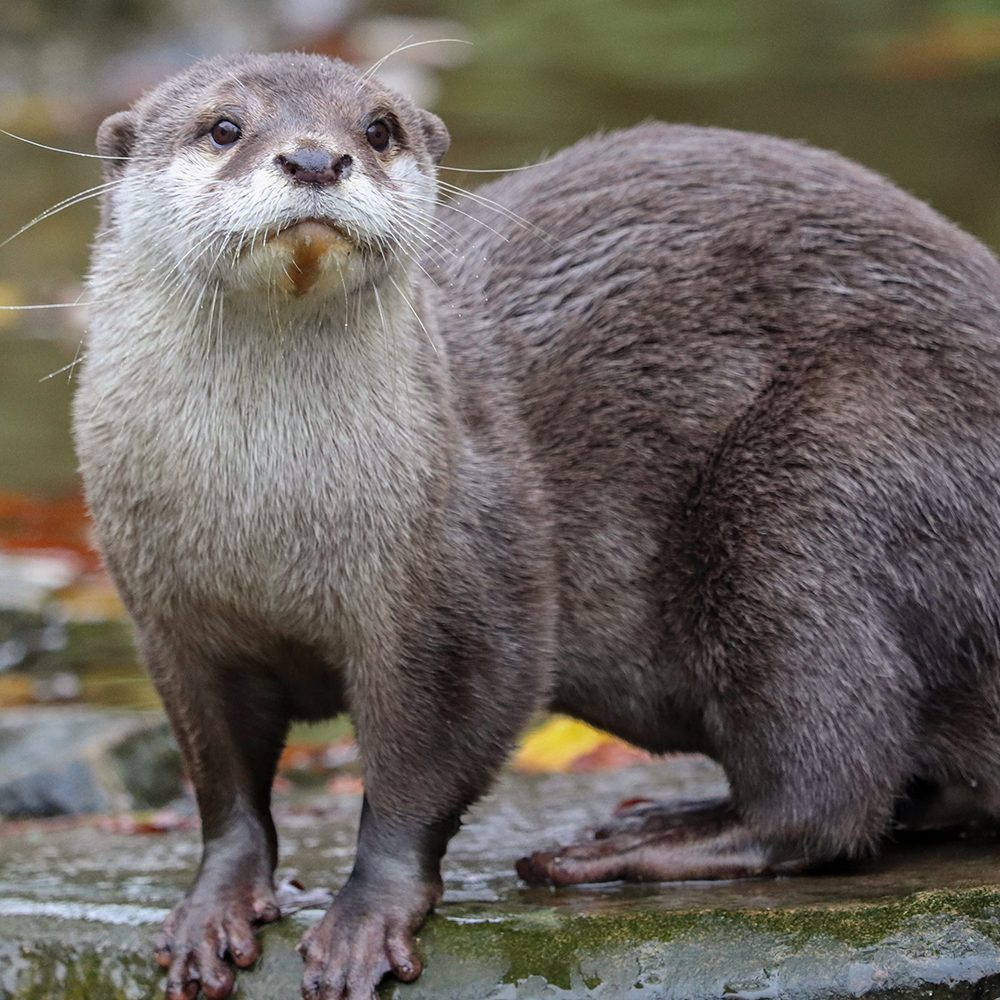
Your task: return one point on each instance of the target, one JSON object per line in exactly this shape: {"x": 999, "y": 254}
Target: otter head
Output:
{"x": 265, "y": 173}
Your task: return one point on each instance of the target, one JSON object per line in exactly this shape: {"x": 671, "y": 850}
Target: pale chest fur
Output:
{"x": 271, "y": 473}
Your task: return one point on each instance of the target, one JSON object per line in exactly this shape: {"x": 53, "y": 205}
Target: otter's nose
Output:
{"x": 314, "y": 166}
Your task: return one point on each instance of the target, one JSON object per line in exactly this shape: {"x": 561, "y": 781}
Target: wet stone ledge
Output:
{"x": 74, "y": 760}
{"x": 78, "y": 905}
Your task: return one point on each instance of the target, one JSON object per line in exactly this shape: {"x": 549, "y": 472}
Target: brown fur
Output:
{"x": 701, "y": 447}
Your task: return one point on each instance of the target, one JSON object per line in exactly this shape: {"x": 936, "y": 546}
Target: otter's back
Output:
{"x": 680, "y": 269}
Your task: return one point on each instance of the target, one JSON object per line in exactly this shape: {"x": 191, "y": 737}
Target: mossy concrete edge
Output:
{"x": 942, "y": 943}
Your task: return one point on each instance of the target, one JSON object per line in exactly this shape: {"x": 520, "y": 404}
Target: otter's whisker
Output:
{"x": 50, "y": 305}
{"x": 428, "y": 227}
{"x": 76, "y": 360}
{"x": 479, "y": 222}
{"x": 427, "y": 205}
{"x": 61, "y": 206}
{"x": 416, "y": 246}
{"x": 403, "y": 47}
{"x": 57, "y": 149}
{"x": 490, "y": 170}
{"x": 193, "y": 255}
{"x": 501, "y": 209}
{"x": 412, "y": 237}
{"x": 276, "y": 344}
{"x": 393, "y": 354}
{"x": 442, "y": 203}
{"x": 211, "y": 318}
{"x": 417, "y": 263}
{"x": 416, "y": 315}
{"x": 490, "y": 204}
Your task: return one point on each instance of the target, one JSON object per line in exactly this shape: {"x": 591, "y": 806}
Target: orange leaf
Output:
{"x": 32, "y": 523}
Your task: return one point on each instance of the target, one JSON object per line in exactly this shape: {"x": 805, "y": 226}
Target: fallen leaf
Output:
{"x": 559, "y": 743}
{"x": 161, "y": 821}
{"x": 28, "y": 523}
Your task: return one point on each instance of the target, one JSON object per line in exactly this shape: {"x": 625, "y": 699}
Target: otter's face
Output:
{"x": 272, "y": 173}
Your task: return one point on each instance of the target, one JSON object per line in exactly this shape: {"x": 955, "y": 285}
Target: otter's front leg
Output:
{"x": 433, "y": 731}
{"x": 230, "y": 719}
{"x": 369, "y": 930}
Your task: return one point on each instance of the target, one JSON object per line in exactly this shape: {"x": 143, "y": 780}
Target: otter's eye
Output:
{"x": 378, "y": 135}
{"x": 224, "y": 133}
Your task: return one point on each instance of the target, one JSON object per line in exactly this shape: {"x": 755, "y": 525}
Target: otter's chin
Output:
{"x": 307, "y": 256}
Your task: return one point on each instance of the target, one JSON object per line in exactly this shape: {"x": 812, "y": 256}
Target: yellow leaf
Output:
{"x": 557, "y": 743}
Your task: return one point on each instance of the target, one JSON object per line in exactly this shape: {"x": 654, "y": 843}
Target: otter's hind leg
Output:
{"x": 645, "y": 838}
{"x": 806, "y": 705}
{"x": 786, "y": 639}
{"x": 663, "y": 841}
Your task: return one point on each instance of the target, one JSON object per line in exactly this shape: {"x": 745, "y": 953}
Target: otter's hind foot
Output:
{"x": 648, "y": 841}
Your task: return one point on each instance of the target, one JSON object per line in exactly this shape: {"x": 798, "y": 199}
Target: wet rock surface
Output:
{"x": 78, "y": 905}
{"x": 73, "y": 761}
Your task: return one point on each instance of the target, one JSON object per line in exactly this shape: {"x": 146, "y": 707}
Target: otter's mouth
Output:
{"x": 298, "y": 254}
{"x": 310, "y": 228}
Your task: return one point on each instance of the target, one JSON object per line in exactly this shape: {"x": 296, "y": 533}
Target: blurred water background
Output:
{"x": 909, "y": 87}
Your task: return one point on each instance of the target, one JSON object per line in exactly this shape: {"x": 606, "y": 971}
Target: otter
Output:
{"x": 688, "y": 433}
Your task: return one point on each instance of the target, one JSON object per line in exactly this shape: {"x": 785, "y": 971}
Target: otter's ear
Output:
{"x": 115, "y": 138}
{"x": 435, "y": 135}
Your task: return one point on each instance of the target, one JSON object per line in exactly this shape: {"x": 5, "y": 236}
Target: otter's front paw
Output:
{"x": 349, "y": 951}
{"x": 207, "y": 930}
